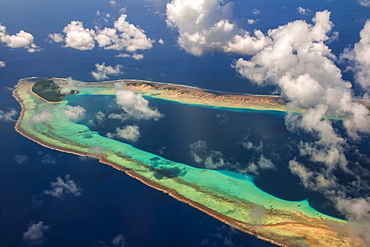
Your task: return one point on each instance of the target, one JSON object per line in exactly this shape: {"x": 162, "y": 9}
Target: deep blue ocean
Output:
{"x": 111, "y": 203}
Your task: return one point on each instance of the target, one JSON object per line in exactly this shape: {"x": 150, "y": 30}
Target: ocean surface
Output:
{"x": 112, "y": 205}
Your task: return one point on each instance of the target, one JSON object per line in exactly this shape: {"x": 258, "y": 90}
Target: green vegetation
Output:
{"x": 153, "y": 85}
{"x": 136, "y": 84}
{"x": 49, "y": 90}
{"x": 170, "y": 88}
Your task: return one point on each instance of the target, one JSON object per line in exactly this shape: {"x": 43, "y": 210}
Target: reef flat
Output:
{"x": 230, "y": 197}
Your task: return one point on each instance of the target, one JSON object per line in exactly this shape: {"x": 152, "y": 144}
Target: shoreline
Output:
{"x": 173, "y": 193}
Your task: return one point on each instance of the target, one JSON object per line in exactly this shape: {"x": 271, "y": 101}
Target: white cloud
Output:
{"x": 2, "y": 64}
{"x": 161, "y": 41}
{"x": 74, "y": 113}
{"x": 265, "y": 163}
{"x": 33, "y": 48}
{"x": 134, "y": 105}
{"x": 196, "y": 148}
{"x": 297, "y": 60}
{"x": 42, "y": 117}
{"x": 359, "y": 56}
{"x": 137, "y": 56}
{"x": 62, "y": 189}
{"x": 123, "y": 55}
{"x": 21, "y": 39}
{"x": 113, "y": 3}
{"x": 78, "y": 37}
{"x": 8, "y": 116}
{"x": 365, "y": 3}
{"x": 262, "y": 164}
{"x": 99, "y": 117}
{"x": 209, "y": 25}
{"x": 35, "y": 234}
{"x": 355, "y": 208}
{"x": 299, "y": 63}
{"x": 119, "y": 241}
{"x": 317, "y": 181}
{"x": 248, "y": 145}
{"x": 18, "y": 40}
{"x": 358, "y": 208}
{"x": 123, "y": 117}
{"x": 131, "y": 37}
{"x": 251, "y": 21}
{"x": 103, "y": 72}
{"x": 66, "y": 86}
{"x": 106, "y": 37}
{"x": 20, "y": 159}
{"x": 256, "y": 11}
{"x": 48, "y": 159}
{"x": 304, "y": 11}
{"x": 129, "y": 133}
{"x": 56, "y": 37}
{"x": 124, "y": 36}
{"x": 207, "y": 159}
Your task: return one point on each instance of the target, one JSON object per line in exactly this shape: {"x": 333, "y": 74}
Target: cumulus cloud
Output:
{"x": 297, "y": 60}
{"x": 2, "y": 64}
{"x": 251, "y": 21}
{"x": 117, "y": 241}
{"x": 66, "y": 86}
{"x": 304, "y": 11}
{"x": 129, "y": 133}
{"x": 123, "y": 55}
{"x": 35, "y": 234}
{"x": 103, "y": 72}
{"x": 261, "y": 164}
{"x": 42, "y": 117}
{"x": 359, "y": 57}
{"x": 300, "y": 64}
{"x": 131, "y": 38}
{"x": 123, "y": 36}
{"x": 55, "y": 37}
{"x": 63, "y": 189}
{"x": 209, "y": 25}
{"x": 8, "y": 116}
{"x": 74, "y": 113}
{"x": 99, "y": 118}
{"x": 113, "y": 3}
{"x": 135, "y": 56}
{"x": 18, "y": 40}
{"x": 161, "y": 41}
{"x": 134, "y": 105}
{"x": 358, "y": 208}
{"x": 365, "y": 3}
{"x": 205, "y": 158}
{"x": 78, "y": 37}
{"x": 250, "y": 146}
